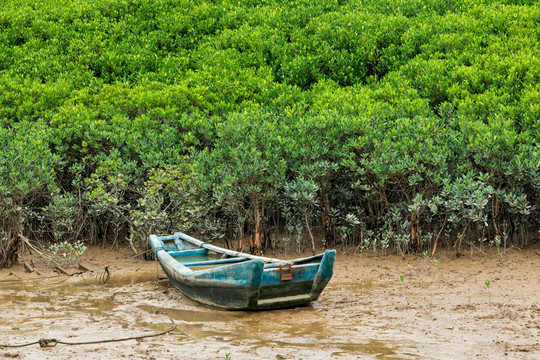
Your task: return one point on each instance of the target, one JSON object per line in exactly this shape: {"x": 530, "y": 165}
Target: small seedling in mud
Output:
{"x": 402, "y": 278}
{"x": 66, "y": 252}
{"x": 425, "y": 254}
{"x": 488, "y": 283}
{"x": 228, "y": 356}
{"x": 435, "y": 271}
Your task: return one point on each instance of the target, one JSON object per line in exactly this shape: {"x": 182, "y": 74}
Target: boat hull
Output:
{"x": 242, "y": 281}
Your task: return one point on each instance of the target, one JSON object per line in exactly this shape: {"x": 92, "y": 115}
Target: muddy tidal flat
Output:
{"x": 443, "y": 311}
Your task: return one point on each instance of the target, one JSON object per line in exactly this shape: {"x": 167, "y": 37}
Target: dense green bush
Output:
{"x": 375, "y": 124}
{"x": 26, "y": 178}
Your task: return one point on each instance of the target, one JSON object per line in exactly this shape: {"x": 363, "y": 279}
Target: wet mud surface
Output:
{"x": 445, "y": 312}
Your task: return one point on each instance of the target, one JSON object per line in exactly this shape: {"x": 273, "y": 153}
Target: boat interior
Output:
{"x": 198, "y": 258}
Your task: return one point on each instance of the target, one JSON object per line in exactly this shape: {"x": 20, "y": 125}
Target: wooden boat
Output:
{"x": 220, "y": 277}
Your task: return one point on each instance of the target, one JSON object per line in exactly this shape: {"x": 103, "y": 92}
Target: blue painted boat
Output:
{"x": 233, "y": 280}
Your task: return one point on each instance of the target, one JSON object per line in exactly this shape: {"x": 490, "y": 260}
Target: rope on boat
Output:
{"x": 53, "y": 342}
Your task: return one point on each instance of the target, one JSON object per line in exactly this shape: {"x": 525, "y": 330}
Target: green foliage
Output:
{"x": 26, "y": 175}
{"x": 65, "y": 253}
{"x": 370, "y": 123}
{"x": 26, "y": 162}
